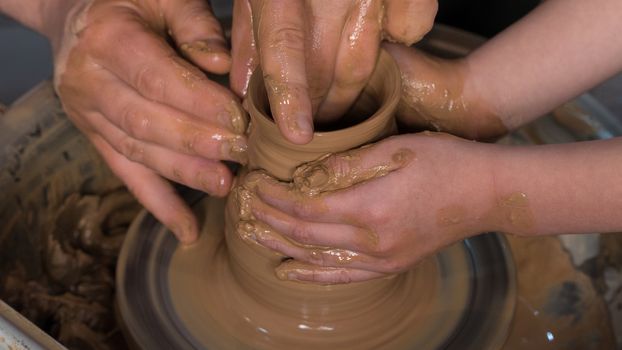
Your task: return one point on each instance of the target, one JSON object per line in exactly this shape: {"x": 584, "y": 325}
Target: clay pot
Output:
{"x": 376, "y": 106}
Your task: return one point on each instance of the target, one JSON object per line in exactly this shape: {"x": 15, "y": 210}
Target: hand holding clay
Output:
{"x": 317, "y": 55}
{"x": 151, "y": 113}
{"x": 373, "y": 211}
{"x": 434, "y": 96}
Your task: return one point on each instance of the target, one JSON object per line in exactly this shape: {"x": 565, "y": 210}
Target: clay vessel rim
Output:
{"x": 389, "y": 103}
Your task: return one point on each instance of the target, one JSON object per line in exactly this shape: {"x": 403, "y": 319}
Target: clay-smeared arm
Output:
{"x": 559, "y": 50}
{"x": 152, "y": 114}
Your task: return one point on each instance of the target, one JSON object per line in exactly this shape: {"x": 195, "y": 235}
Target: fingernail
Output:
{"x": 247, "y": 230}
{"x": 237, "y": 117}
{"x": 256, "y": 233}
{"x": 205, "y": 47}
{"x": 234, "y": 117}
{"x": 311, "y": 178}
{"x": 304, "y": 125}
{"x": 243, "y": 198}
{"x": 282, "y": 274}
{"x": 285, "y": 275}
{"x": 185, "y": 232}
{"x": 235, "y": 148}
{"x": 212, "y": 183}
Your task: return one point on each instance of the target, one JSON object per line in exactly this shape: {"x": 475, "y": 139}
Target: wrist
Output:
{"x": 510, "y": 204}
{"x": 486, "y": 123}
{"x": 482, "y": 192}
{"x": 437, "y": 95}
{"x": 461, "y": 187}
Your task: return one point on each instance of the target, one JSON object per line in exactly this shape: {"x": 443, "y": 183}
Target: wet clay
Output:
{"x": 320, "y": 175}
{"x": 227, "y": 293}
{"x": 72, "y": 299}
{"x": 427, "y": 105}
{"x": 279, "y": 157}
{"x": 511, "y": 213}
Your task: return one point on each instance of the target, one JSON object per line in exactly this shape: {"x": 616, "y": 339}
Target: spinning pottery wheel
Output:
{"x": 222, "y": 293}
{"x": 463, "y": 298}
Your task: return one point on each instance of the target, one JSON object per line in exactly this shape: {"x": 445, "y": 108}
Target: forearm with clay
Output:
{"x": 559, "y": 50}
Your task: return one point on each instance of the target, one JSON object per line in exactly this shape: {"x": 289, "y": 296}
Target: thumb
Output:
{"x": 198, "y": 34}
{"x": 342, "y": 170}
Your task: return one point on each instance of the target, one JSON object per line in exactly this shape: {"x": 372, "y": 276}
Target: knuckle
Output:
{"x": 301, "y": 233}
{"x": 378, "y": 249}
{"x": 97, "y": 36}
{"x": 149, "y": 83}
{"x": 379, "y": 216}
{"x": 301, "y": 209}
{"x": 190, "y": 138}
{"x": 131, "y": 149}
{"x": 198, "y": 14}
{"x": 340, "y": 277}
{"x": 339, "y": 164}
{"x": 317, "y": 257}
{"x": 392, "y": 266}
{"x": 178, "y": 174}
{"x": 356, "y": 75}
{"x": 382, "y": 248}
{"x": 134, "y": 122}
{"x": 286, "y": 38}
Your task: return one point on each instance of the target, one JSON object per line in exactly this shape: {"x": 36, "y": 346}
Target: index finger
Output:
{"x": 280, "y": 33}
{"x": 143, "y": 59}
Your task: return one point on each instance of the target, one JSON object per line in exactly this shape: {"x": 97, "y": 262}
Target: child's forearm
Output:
{"x": 561, "y": 49}
{"x": 555, "y": 189}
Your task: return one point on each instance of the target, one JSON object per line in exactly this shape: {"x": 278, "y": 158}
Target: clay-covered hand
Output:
{"x": 151, "y": 113}
{"x": 317, "y": 55}
{"x": 372, "y": 211}
{"x": 436, "y": 96}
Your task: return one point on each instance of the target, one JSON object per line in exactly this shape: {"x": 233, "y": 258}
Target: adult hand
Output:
{"x": 317, "y": 55}
{"x": 372, "y": 211}
{"x": 152, "y": 114}
{"x": 436, "y": 95}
